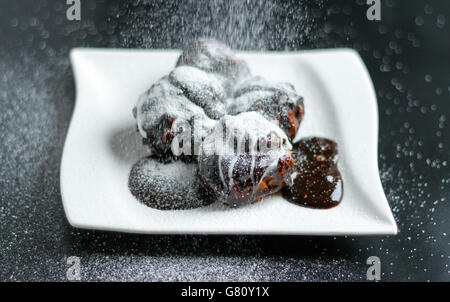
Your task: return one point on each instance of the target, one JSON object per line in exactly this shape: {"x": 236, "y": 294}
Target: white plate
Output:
{"x": 102, "y": 145}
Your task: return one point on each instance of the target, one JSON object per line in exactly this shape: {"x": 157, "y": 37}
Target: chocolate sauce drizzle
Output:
{"x": 317, "y": 182}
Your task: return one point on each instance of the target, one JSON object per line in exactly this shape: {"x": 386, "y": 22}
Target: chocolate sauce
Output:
{"x": 317, "y": 182}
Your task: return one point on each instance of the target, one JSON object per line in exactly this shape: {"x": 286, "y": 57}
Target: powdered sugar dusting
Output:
{"x": 169, "y": 186}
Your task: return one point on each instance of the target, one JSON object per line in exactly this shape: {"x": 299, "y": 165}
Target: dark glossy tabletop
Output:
{"x": 407, "y": 54}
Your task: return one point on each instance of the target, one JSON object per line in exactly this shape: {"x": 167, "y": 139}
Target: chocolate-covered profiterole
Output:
{"x": 245, "y": 158}
{"x": 276, "y": 101}
{"x": 317, "y": 182}
{"x": 168, "y": 186}
{"x": 158, "y": 113}
{"x": 203, "y": 89}
{"x": 216, "y": 58}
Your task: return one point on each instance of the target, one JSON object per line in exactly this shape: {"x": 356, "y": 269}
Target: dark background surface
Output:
{"x": 407, "y": 54}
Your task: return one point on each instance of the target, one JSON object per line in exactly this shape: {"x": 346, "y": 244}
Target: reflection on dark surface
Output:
{"x": 407, "y": 55}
